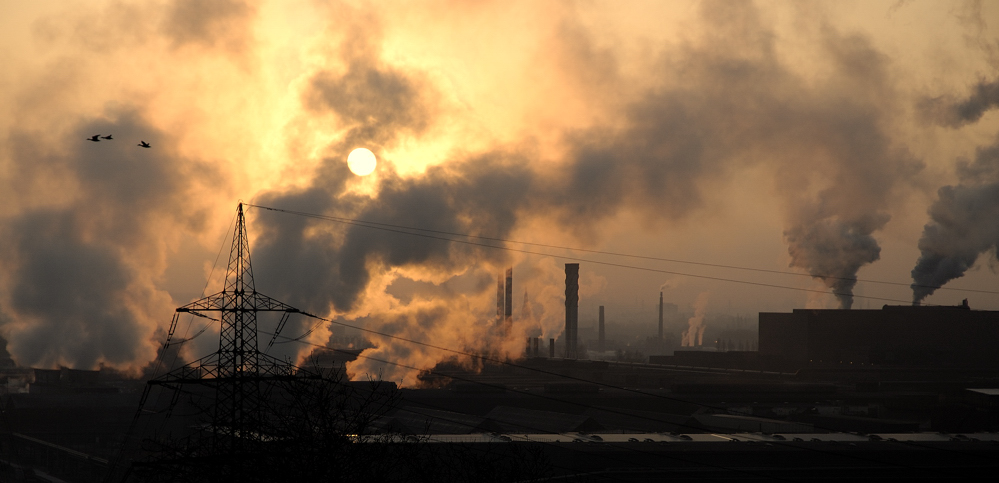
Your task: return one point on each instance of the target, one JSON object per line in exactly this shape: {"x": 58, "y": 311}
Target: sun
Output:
{"x": 361, "y": 161}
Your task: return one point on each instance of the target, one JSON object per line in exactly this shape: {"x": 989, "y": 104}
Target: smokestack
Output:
{"x": 660, "y": 316}
{"x": 571, "y": 309}
{"x": 527, "y": 349}
{"x": 537, "y": 347}
{"x": 601, "y": 332}
{"x": 499, "y": 298}
{"x": 551, "y": 348}
{"x": 509, "y": 297}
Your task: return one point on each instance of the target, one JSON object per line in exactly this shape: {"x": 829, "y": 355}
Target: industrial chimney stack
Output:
{"x": 508, "y": 313}
{"x": 571, "y": 309}
{"x": 660, "y": 316}
{"x": 601, "y": 332}
{"x": 499, "y": 299}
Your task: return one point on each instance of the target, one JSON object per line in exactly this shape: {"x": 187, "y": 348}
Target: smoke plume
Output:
{"x": 962, "y": 224}
{"x": 832, "y": 250}
{"x": 694, "y": 335}
{"x": 532, "y": 121}
{"x": 75, "y": 280}
{"x": 951, "y": 112}
{"x": 716, "y": 110}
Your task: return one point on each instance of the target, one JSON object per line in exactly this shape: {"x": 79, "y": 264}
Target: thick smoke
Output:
{"x": 835, "y": 163}
{"x": 963, "y": 224}
{"x": 694, "y": 335}
{"x": 833, "y": 250}
{"x": 951, "y": 112}
{"x": 541, "y": 136}
{"x": 77, "y": 292}
{"x": 716, "y": 110}
{"x": 88, "y": 228}
{"x": 217, "y": 24}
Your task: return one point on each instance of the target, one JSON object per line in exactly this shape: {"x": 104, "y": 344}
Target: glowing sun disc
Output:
{"x": 361, "y": 161}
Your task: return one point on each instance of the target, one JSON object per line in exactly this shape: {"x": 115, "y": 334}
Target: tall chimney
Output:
{"x": 571, "y": 309}
{"x": 551, "y": 348}
{"x": 660, "y": 316}
{"x": 600, "y": 343}
{"x": 509, "y": 297}
{"x": 499, "y": 299}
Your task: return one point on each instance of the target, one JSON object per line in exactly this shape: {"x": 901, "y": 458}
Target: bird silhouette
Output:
{"x": 107, "y": 137}
{"x": 94, "y": 138}
{"x": 144, "y": 144}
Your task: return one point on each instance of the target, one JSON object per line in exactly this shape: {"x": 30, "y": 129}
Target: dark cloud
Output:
{"x": 372, "y": 98}
{"x": 330, "y": 264}
{"x": 733, "y": 104}
{"x": 951, "y": 112}
{"x": 710, "y": 106}
{"x": 725, "y": 103}
{"x": 373, "y": 102}
{"x": 72, "y": 292}
{"x": 76, "y": 288}
{"x": 219, "y": 23}
{"x": 962, "y": 224}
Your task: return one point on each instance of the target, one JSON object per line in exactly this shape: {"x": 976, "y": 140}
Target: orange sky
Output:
{"x": 803, "y": 137}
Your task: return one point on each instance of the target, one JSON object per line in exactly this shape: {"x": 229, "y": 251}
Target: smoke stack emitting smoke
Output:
{"x": 964, "y": 221}
{"x": 100, "y": 227}
{"x": 833, "y": 250}
{"x": 964, "y": 224}
{"x": 660, "y": 315}
{"x": 694, "y": 335}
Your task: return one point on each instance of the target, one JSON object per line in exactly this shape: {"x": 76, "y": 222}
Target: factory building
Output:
{"x": 953, "y": 336}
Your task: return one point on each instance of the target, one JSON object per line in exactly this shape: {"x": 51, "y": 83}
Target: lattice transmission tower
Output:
{"x": 238, "y": 372}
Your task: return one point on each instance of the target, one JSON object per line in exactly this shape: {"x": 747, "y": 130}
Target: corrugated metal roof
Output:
{"x": 513, "y": 419}
{"x": 668, "y": 438}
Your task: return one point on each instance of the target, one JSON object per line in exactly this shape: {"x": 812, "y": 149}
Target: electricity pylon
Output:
{"x": 239, "y": 373}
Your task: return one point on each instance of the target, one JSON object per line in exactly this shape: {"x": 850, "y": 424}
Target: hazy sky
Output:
{"x": 835, "y": 140}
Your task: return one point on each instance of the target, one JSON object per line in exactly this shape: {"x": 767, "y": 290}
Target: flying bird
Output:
{"x": 106, "y": 137}
{"x": 144, "y": 144}
{"x": 94, "y": 138}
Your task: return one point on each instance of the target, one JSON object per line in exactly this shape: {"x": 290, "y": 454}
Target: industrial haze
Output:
{"x": 836, "y": 140}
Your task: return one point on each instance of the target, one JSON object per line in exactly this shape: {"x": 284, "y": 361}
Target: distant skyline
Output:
{"x": 838, "y": 139}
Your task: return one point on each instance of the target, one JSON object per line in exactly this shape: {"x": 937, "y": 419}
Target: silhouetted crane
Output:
{"x": 94, "y": 138}
{"x": 144, "y": 144}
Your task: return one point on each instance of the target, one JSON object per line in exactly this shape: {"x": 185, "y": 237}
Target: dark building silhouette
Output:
{"x": 954, "y": 336}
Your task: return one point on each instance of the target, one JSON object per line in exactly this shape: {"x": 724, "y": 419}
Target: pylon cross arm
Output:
{"x": 223, "y": 301}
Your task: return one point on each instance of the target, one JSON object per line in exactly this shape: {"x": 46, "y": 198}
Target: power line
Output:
{"x": 116, "y": 460}
{"x": 596, "y": 262}
{"x": 493, "y": 360}
{"x": 379, "y": 225}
